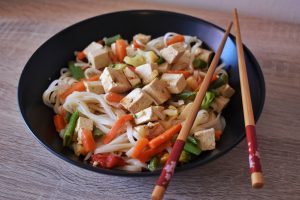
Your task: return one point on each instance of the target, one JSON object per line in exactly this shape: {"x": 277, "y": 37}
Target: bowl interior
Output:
{"x": 44, "y": 66}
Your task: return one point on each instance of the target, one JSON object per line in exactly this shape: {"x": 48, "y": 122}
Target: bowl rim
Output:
{"x": 185, "y": 167}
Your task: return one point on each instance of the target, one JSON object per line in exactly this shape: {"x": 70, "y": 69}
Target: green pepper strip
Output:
{"x": 70, "y": 129}
{"x": 110, "y": 40}
{"x": 153, "y": 165}
{"x": 192, "y": 148}
{"x": 76, "y": 72}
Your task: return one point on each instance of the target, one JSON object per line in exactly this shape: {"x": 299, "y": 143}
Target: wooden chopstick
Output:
{"x": 254, "y": 158}
{"x": 168, "y": 170}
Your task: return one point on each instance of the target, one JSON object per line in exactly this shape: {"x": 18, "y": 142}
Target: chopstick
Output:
{"x": 254, "y": 158}
{"x": 168, "y": 170}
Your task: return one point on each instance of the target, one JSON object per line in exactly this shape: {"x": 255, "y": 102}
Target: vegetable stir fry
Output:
{"x": 121, "y": 104}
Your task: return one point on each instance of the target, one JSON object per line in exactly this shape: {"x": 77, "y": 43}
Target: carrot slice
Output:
{"x": 121, "y": 49}
{"x": 115, "y": 128}
{"x": 140, "y": 145}
{"x": 79, "y": 87}
{"x": 80, "y": 55}
{"x": 136, "y": 45}
{"x": 148, "y": 154}
{"x": 175, "y": 39}
{"x": 59, "y": 122}
{"x": 114, "y": 97}
{"x": 88, "y": 141}
{"x": 185, "y": 73}
{"x": 214, "y": 78}
{"x": 164, "y": 137}
{"x": 218, "y": 134}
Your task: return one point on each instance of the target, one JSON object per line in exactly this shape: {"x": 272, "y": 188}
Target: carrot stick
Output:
{"x": 121, "y": 49}
{"x": 79, "y": 87}
{"x": 59, "y": 122}
{"x": 115, "y": 128}
{"x": 214, "y": 78}
{"x": 80, "y": 55}
{"x": 184, "y": 72}
{"x": 164, "y": 137}
{"x": 88, "y": 140}
{"x": 175, "y": 39}
{"x": 114, "y": 97}
{"x": 148, "y": 154}
{"x": 140, "y": 145}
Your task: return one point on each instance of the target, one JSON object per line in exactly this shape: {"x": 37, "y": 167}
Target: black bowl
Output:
{"x": 45, "y": 64}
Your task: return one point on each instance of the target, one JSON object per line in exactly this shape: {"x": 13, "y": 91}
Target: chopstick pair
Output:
{"x": 255, "y": 167}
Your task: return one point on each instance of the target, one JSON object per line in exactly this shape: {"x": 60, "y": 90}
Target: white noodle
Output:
{"x": 129, "y": 133}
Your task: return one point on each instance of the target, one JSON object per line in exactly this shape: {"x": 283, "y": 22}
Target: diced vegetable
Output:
{"x": 175, "y": 39}
{"x": 77, "y": 87}
{"x": 70, "y": 129}
{"x": 139, "y": 147}
{"x": 185, "y": 157}
{"x": 192, "y": 148}
{"x": 135, "y": 61}
{"x": 184, "y": 72}
{"x": 121, "y": 49}
{"x": 97, "y": 132}
{"x": 199, "y": 64}
{"x": 108, "y": 161}
{"x": 118, "y": 66}
{"x": 114, "y": 97}
{"x": 153, "y": 165}
{"x": 116, "y": 127}
{"x": 110, "y": 40}
{"x": 186, "y": 95}
{"x": 164, "y": 137}
{"x": 208, "y": 99}
{"x": 88, "y": 141}
{"x": 222, "y": 80}
{"x": 59, "y": 122}
{"x": 80, "y": 55}
{"x": 214, "y": 78}
{"x": 76, "y": 72}
{"x": 160, "y": 60}
{"x": 164, "y": 158}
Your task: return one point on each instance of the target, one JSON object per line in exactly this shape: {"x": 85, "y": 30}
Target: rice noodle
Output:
{"x": 129, "y": 133}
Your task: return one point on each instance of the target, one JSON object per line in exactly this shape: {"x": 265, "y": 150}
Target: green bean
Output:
{"x": 70, "y": 129}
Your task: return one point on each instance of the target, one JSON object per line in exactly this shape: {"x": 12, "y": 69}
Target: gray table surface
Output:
{"x": 29, "y": 171}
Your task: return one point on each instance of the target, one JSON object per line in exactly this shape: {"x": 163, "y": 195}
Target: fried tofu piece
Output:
{"x": 147, "y": 72}
{"x": 151, "y": 113}
{"x": 94, "y": 87}
{"x": 176, "y": 82}
{"x": 172, "y": 52}
{"x": 157, "y": 89}
{"x": 206, "y": 139}
{"x": 114, "y": 80}
{"x": 136, "y": 100}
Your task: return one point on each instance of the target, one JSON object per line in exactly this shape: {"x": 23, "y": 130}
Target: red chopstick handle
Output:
{"x": 254, "y": 157}
{"x": 168, "y": 170}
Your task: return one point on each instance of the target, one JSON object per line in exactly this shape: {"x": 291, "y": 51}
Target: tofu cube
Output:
{"x": 114, "y": 80}
{"x": 176, "y": 82}
{"x": 94, "y": 87}
{"x": 154, "y": 129}
{"x": 206, "y": 139}
{"x": 130, "y": 51}
{"x": 204, "y": 54}
{"x": 172, "y": 52}
{"x": 99, "y": 58}
{"x": 162, "y": 68}
{"x": 142, "y": 38}
{"x": 183, "y": 61}
{"x": 219, "y": 103}
{"x": 136, "y": 100}
{"x": 147, "y": 72}
{"x": 83, "y": 122}
{"x": 148, "y": 114}
{"x": 92, "y": 47}
{"x": 132, "y": 77}
{"x": 227, "y": 91}
{"x": 157, "y": 89}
